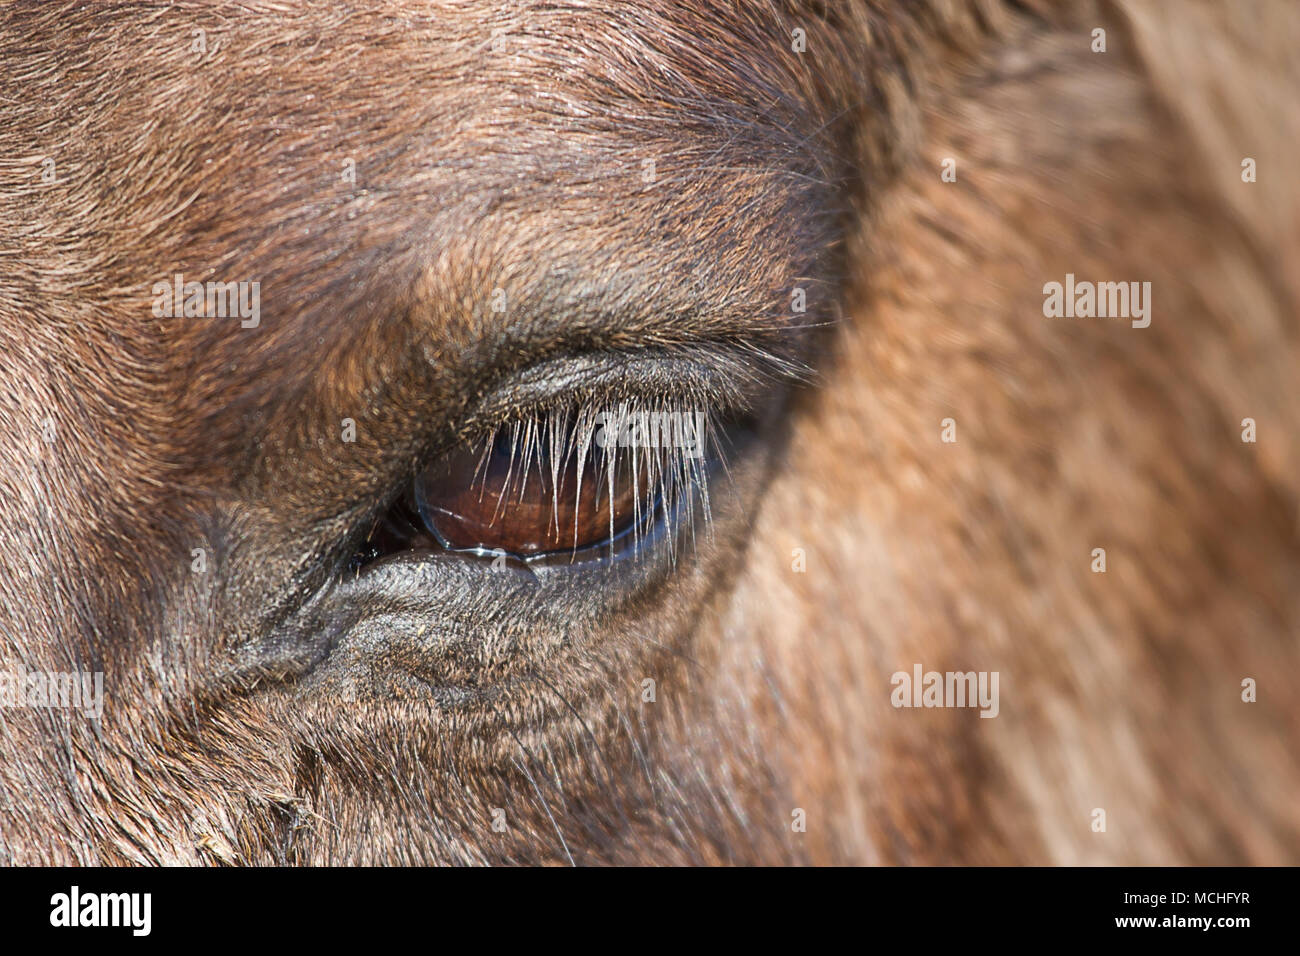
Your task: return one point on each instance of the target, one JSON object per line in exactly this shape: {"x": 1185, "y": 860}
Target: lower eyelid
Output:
{"x": 443, "y": 612}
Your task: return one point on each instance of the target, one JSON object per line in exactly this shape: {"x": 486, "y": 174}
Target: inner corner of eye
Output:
{"x": 559, "y": 482}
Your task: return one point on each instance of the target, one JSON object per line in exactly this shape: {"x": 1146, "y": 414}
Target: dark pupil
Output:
{"x": 528, "y": 497}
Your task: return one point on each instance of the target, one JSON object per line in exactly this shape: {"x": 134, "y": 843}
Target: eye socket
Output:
{"x": 559, "y": 483}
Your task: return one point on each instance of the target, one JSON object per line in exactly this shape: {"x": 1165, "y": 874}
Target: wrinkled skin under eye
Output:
{"x": 547, "y": 486}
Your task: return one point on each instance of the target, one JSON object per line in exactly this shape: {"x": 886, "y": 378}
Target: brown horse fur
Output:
{"x": 383, "y": 168}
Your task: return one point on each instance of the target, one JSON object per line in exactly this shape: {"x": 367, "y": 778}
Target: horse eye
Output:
{"x": 532, "y": 490}
{"x": 557, "y": 485}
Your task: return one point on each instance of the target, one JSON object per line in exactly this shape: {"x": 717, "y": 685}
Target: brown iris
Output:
{"x": 530, "y": 492}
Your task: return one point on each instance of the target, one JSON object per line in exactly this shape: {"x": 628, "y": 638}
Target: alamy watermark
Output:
{"x": 1103, "y": 300}
{"x": 75, "y": 908}
{"x": 76, "y": 690}
{"x": 946, "y": 689}
{"x": 632, "y": 429}
{"x": 208, "y": 300}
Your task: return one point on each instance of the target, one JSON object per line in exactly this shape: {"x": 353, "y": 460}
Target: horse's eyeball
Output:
{"x": 534, "y": 489}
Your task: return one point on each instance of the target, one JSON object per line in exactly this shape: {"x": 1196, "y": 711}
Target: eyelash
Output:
{"x": 673, "y": 472}
{"x": 670, "y": 488}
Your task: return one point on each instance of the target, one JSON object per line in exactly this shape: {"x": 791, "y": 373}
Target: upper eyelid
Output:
{"x": 718, "y": 377}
